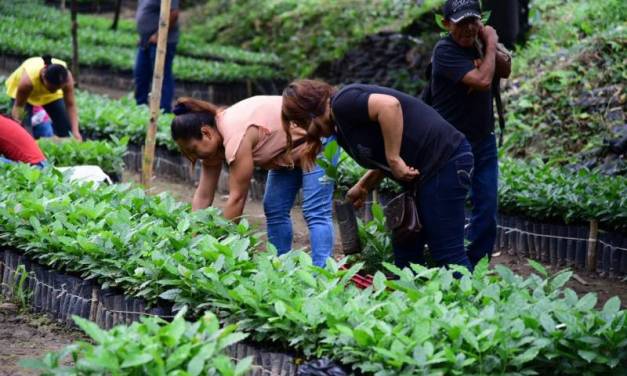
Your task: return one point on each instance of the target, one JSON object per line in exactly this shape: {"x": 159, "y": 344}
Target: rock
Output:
{"x": 388, "y": 59}
{"x": 8, "y": 307}
{"x": 601, "y": 98}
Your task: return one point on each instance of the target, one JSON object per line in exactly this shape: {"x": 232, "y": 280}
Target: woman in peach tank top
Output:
{"x": 248, "y": 134}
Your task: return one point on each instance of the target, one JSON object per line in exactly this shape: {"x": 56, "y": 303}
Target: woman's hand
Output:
{"x": 401, "y": 170}
{"x": 357, "y": 195}
{"x": 77, "y": 136}
{"x": 17, "y": 113}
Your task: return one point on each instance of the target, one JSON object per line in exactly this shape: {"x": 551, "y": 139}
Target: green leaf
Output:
{"x": 243, "y": 366}
{"x": 588, "y": 356}
{"x": 197, "y": 364}
{"x": 560, "y": 280}
{"x": 178, "y": 356}
{"x": 136, "y": 360}
{"x": 171, "y": 294}
{"x": 538, "y": 267}
{"x": 91, "y": 329}
{"x": 527, "y": 356}
{"x": 280, "y": 308}
{"x": 612, "y": 306}
{"x": 587, "y": 302}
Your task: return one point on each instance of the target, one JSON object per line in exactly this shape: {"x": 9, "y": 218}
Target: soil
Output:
{"x": 25, "y": 335}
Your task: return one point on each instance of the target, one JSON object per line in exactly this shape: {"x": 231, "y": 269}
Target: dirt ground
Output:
{"x": 24, "y": 335}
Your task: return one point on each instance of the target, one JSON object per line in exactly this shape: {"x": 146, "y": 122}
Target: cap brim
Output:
{"x": 464, "y": 14}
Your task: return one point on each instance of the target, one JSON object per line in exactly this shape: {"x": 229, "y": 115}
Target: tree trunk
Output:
{"x": 116, "y": 15}
{"x": 155, "y": 94}
{"x": 75, "y": 72}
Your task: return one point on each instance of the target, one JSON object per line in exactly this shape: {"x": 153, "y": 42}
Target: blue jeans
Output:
{"x": 281, "y": 189}
{"x": 441, "y": 209}
{"x": 142, "y": 73}
{"x": 41, "y": 165}
{"x": 43, "y": 130}
{"x": 484, "y": 198}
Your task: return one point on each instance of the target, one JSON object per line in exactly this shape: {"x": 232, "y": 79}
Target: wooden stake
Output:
{"x": 116, "y": 15}
{"x": 155, "y": 94}
{"x": 591, "y": 261}
{"x": 74, "y": 42}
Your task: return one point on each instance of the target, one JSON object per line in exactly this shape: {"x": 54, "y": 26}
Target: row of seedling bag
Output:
{"x": 412, "y": 321}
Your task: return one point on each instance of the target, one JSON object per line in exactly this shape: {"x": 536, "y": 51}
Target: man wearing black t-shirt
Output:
{"x": 462, "y": 78}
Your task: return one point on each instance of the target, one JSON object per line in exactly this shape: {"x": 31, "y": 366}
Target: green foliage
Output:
{"x": 547, "y": 192}
{"x": 304, "y": 33}
{"x": 576, "y": 46}
{"x": 541, "y": 191}
{"x": 118, "y": 119}
{"x": 150, "y": 347}
{"x": 145, "y": 245}
{"x": 375, "y": 241}
{"x": 424, "y": 322}
{"x": 108, "y": 155}
{"x": 101, "y": 47}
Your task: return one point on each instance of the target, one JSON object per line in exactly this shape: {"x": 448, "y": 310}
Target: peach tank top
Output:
{"x": 263, "y": 112}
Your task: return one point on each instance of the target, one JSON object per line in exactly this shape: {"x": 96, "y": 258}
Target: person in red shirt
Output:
{"x": 16, "y": 145}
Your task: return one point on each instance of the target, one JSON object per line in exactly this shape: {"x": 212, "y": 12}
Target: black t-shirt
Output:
{"x": 470, "y": 111}
{"x": 428, "y": 140}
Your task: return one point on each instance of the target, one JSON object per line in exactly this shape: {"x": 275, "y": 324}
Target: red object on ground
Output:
{"x": 16, "y": 144}
{"x": 359, "y": 280}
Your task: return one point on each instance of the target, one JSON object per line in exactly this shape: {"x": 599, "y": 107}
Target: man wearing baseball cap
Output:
{"x": 464, "y": 67}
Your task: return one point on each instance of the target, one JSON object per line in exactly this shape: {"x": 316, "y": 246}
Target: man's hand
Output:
{"x": 488, "y": 35}
{"x": 153, "y": 39}
{"x": 401, "y": 170}
{"x": 357, "y": 195}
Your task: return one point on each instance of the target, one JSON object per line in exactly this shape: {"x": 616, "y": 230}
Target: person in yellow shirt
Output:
{"x": 44, "y": 81}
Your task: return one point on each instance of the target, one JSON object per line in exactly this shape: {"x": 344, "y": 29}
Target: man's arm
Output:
{"x": 24, "y": 88}
{"x": 481, "y": 77}
{"x": 209, "y": 175}
{"x": 70, "y": 103}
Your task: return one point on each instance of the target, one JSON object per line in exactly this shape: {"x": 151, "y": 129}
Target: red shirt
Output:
{"x": 17, "y": 145}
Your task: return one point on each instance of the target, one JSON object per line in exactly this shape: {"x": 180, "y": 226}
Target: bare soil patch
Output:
{"x": 26, "y": 335}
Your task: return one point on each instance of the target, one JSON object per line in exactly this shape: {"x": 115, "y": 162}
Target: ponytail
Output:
{"x": 304, "y": 100}
{"x": 191, "y": 115}
{"x": 47, "y": 60}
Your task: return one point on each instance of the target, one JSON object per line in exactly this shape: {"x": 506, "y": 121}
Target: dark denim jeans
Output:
{"x": 281, "y": 189}
{"x": 484, "y": 198}
{"x": 441, "y": 209}
{"x": 142, "y": 73}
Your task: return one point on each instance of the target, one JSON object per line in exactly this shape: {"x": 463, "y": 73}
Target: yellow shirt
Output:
{"x": 32, "y": 67}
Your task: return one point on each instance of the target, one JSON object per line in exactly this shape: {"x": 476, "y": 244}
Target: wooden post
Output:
{"x": 116, "y": 15}
{"x": 75, "y": 42}
{"x": 591, "y": 261}
{"x": 62, "y": 5}
{"x": 155, "y": 94}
